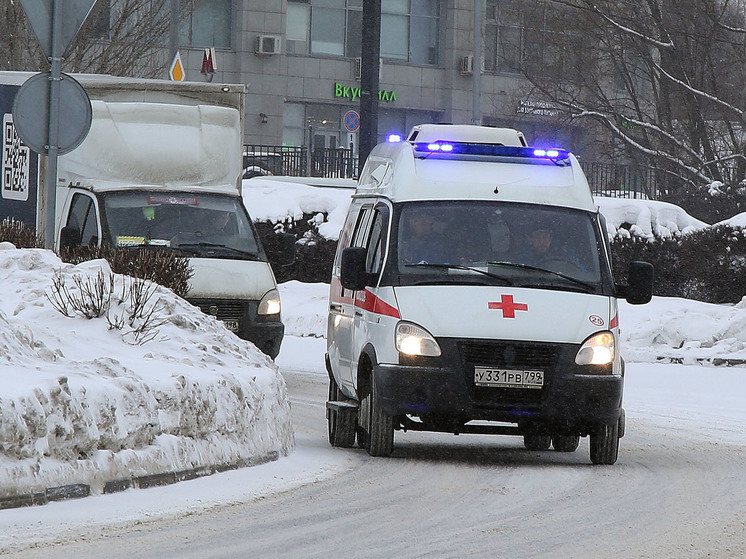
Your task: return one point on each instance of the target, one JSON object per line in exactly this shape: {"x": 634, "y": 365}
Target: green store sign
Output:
{"x": 353, "y": 93}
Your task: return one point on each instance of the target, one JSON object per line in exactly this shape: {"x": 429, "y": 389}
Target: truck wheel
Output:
{"x": 342, "y": 423}
{"x": 379, "y": 440}
{"x": 605, "y": 444}
{"x": 565, "y": 443}
{"x": 537, "y": 442}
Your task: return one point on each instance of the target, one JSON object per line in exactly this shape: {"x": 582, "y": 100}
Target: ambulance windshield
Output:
{"x": 508, "y": 243}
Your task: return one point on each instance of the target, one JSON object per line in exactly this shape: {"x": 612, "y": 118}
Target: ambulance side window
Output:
{"x": 375, "y": 244}
{"x": 362, "y": 229}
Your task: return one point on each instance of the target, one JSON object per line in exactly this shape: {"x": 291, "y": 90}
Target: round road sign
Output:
{"x": 31, "y": 113}
{"x": 352, "y": 121}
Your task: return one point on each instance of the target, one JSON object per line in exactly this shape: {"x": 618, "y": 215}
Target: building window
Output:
{"x": 298, "y": 25}
{"x": 528, "y": 37}
{"x": 409, "y": 28}
{"x": 207, "y": 25}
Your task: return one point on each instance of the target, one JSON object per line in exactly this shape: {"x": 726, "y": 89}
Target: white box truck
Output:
{"x": 472, "y": 292}
{"x": 161, "y": 167}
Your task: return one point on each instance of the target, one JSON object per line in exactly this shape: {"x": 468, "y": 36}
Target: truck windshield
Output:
{"x": 204, "y": 225}
{"x": 499, "y": 242}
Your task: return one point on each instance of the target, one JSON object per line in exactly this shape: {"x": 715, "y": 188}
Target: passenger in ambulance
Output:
{"x": 420, "y": 242}
{"x": 539, "y": 249}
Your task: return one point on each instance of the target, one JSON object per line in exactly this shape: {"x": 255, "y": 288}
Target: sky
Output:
{"x": 83, "y": 402}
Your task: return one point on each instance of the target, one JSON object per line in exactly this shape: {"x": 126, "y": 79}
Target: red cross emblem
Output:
{"x": 507, "y": 306}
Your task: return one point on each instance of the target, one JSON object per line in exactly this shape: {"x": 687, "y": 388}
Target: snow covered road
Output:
{"x": 677, "y": 490}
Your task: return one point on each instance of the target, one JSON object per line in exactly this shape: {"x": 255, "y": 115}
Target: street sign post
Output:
{"x": 55, "y": 23}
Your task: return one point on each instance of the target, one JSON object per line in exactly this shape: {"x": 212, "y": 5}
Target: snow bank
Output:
{"x": 307, "y": 305}
{"x": 684, "y": 331}
{"x": 276, "y": 201}
{"x": 648, "y": 218}
{"x": 84, "y": 403}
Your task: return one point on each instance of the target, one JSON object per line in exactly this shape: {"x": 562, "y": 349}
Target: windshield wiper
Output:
{"x": 460, "y": 267}
{"x": 586, "y": 285}
{"x": 197, "y": 248}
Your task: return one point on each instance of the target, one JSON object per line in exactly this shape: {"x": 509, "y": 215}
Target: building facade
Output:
{"x": 301, "y": 62}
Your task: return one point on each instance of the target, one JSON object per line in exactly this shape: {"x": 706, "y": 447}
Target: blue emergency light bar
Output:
{"x": 425, "y": 149}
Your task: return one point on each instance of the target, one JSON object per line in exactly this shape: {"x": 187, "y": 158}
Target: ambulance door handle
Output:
{"x": 335, "y": 307}
{"x": 358, "y": 313}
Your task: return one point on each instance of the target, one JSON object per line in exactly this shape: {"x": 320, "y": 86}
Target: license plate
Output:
{"x": 232, "y": 325}
{"x": 508, "y": 378}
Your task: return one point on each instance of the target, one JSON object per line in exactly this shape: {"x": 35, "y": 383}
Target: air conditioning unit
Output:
{"x": 466, "y": 65}
{"x": 268, "y": 44}
{"x": 359, "y": 68}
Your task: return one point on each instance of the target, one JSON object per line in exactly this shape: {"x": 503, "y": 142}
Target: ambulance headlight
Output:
{"x": 597, "y": 350}
{"x": 415, "y": 340}
{"x": 270, "y": 303}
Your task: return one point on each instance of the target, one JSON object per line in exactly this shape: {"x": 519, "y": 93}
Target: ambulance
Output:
{"x": 472, "y": 292}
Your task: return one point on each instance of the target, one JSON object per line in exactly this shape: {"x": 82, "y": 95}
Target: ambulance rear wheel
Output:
{"x": 537, "y": 442}
{"x": 379, "y": 439}
{"x": 565, "y": 443}
{"x": 605, "y": 444}
{"x": 341, "y": 423}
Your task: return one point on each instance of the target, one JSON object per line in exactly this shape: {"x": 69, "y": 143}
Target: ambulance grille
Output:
{"x": 508, "y": 355}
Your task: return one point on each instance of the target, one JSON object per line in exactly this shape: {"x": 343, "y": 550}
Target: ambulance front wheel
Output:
{"x": 342, "y": 422}
{"x": 605, "y": 444}
{"x": 378, "y": 438}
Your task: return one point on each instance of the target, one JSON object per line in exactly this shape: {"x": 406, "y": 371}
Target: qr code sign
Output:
{"x": 16, "y": 156}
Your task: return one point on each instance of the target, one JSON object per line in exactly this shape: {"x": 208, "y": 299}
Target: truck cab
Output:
{"x": 161, "y": 169}
{"x": 472, "y": 292}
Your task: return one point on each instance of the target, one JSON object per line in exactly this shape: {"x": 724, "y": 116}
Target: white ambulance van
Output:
{"x": 472, "y": 292}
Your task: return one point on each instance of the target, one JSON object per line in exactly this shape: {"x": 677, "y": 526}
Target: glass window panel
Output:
{"x": 211, "y": 24}
{"x": 394, "y": 37}
{"x": 509, "y": 49}
{"x": 298, "y": 18}
{"x": 354, "y": 33}
{"x": 394, "y": 7}
{"x": 424, "y": 40}
{"x": 327, "y": 31}
{"x": 425, "y": 8}
{"x": 339, "y": 4}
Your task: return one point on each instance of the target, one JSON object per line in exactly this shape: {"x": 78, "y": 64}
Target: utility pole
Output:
{"x": 476, "y": 111}
{"x": 370, "y": 63}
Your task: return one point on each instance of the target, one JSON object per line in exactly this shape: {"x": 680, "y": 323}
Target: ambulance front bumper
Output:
{"x": 570, "y": 397}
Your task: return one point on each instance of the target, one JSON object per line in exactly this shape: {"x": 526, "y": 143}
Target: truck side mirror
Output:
{"x": 352, "y": 274}
{"x": 639, "y": 288}
{"x": 69, "y": 237}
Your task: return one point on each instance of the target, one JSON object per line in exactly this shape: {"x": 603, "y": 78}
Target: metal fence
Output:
{"x": 295, "y": 161}
{"x": 606, "y": 179}
{"x": 621, "y": 181}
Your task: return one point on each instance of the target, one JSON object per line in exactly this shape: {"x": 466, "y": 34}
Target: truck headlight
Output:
{"x": 270, "y": 303}
{"x": 597, "y": 350}
{"x": 415, "y": 340}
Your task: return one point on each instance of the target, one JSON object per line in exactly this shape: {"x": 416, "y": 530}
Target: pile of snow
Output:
{"x": 83, "y": 402}
{"x": 647, "y": 218}
{"x": 277, "y": 202}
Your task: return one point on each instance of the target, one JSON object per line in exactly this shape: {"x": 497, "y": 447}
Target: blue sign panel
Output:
{"x": 19, "y": 167}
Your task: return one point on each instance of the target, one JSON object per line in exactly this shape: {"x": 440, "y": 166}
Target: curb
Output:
{"x": 80, "y": 490}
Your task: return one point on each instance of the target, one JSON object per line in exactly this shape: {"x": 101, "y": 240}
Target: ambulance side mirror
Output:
{"x": 639, "y": 288}
{"x": 352, "y": 274}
